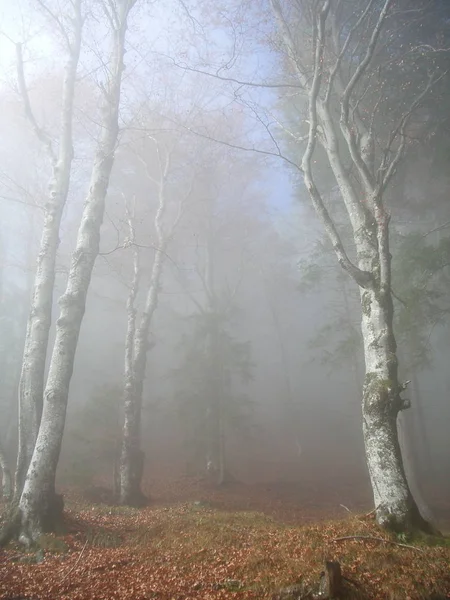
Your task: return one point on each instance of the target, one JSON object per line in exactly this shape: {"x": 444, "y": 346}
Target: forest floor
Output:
{"x": 197, "y": 542}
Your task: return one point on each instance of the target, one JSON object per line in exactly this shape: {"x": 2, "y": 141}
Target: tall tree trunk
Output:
{"x": 132, "y": 457}
{"x": 382, "y": 402}
{"x": 420, "y": 427}
{"x": 137, "y": 345}
{"x": 215, "y": 459}
{"x": 31, "y": 384}
{"x": 39, "y": 507}
{"x": 289, "y": 408}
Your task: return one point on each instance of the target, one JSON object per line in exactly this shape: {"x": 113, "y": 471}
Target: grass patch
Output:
{"x": 53, "y": 544}
{"x": 197, "y": 552}
{"x": 101, "y": 537}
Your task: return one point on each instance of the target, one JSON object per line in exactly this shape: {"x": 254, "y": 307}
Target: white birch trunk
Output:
{"x": 39, "y": 321}
{"x": 136, "y": 348}
{"x": 395, "y": 506}
{"x": 39, "y": 506}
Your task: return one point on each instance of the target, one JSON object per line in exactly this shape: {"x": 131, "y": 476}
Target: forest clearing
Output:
{"x": 237, "y": 542}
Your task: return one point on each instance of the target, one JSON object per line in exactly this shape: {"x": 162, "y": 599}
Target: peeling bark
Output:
{"x": 39, "y": 506}
{"x": 396, "y": 508}
{"x": 31, "y": 383}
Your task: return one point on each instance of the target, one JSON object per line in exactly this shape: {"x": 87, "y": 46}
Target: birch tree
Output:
{"x": 31, "y": 384}
{"x": 39, "y": 506}
{"x": 137, "y": 343}
{"x": 341, "y": 58}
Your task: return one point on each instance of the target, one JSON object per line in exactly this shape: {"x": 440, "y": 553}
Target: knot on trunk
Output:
{"x": 404, "y": 403}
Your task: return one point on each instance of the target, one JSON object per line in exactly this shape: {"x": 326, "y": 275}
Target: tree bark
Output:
{"x": 382, "y": 402}
{"x": 31, "y": 384}
{"x": 39, "y": 506}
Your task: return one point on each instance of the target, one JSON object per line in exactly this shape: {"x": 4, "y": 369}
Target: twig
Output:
{"x": 356, "y": 517}
{"x": 76, "y": 562}
{"x": 398, "y": 298}
{"x": 439, "y": 228}
{"x": 376, "y": 539}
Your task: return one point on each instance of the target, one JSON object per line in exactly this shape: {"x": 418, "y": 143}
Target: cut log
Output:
{"x": 331, "y": 581}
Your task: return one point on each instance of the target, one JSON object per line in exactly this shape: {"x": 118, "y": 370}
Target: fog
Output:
{"x": 243, "y": 252}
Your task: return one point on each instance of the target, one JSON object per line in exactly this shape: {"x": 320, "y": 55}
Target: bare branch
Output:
{"x": 386, "y": 171}
{"x": 439, "y": 228}
{"x": 59, "y": 24}
{"x": 349, "y": 135}
{"x": 361, "y": 68}
{"x": 41, "y": 134}
{"x": 289, "y": 42}
{"x": 344, "y": 50}
{"x": 371, "y": 538}
{"x": 256, "y": 84}
{"x": 359, "y": 276}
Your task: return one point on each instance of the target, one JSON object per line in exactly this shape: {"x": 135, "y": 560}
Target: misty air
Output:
{"x": 224, "y": 299}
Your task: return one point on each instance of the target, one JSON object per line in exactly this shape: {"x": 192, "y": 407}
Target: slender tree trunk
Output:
{"x": 6, "y": 475}
{"x": 290, "y": 413}
{"x": 423, "y": 449}
{"x": 132, "y": 457}
{"x": 131, "y": 466}
{"x": 39, "y": 507}
{"x": 31, "y": 382}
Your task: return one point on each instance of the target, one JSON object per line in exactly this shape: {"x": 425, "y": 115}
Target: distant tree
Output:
{"x": 208, "y": 404}
{"x": 215, "y": 364}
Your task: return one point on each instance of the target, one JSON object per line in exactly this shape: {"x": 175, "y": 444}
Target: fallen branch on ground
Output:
{"x": 76, "y": 563}
{"x": 375, "y": 539}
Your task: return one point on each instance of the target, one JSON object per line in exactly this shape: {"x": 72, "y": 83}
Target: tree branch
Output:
{"x": 386, "y": 171}
{"x": 362, "y": 278}
{"x": 370, "y": 538}
{"x": 41, "y": 134}
{"x": 344, "y": 50}
{"x": 347, "y": 131}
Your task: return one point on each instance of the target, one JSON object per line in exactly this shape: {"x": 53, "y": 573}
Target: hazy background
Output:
{"x": 295, "y": 416}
